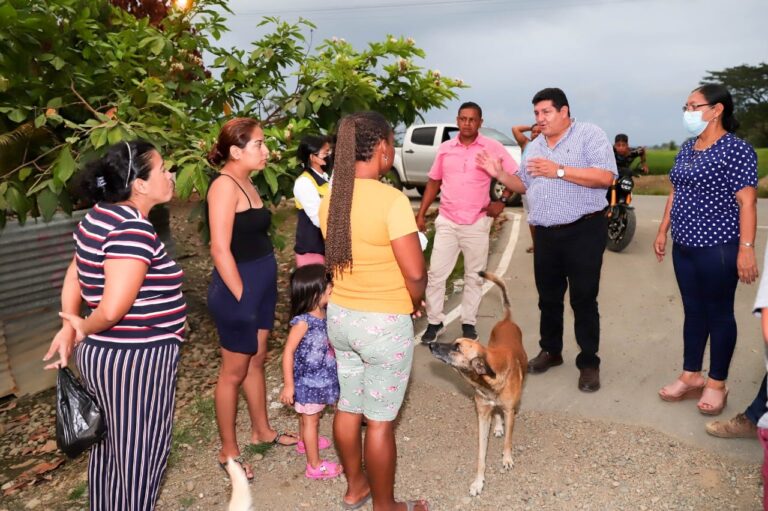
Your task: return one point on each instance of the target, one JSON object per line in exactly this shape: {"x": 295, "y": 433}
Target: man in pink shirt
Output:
{"x": 464, "y": 220}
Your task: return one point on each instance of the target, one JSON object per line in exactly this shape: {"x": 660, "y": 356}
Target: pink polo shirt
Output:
{"x": 464, "y": 193}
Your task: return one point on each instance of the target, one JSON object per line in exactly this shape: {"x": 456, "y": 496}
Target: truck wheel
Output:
{"x": 497, "y": 189}
{"x": 392, "y": 179}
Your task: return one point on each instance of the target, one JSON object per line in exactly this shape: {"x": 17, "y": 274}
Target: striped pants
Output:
{"x": 136, "y": 388}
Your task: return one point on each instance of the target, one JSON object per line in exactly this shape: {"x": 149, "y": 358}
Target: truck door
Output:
{"x": 419, "y": 153}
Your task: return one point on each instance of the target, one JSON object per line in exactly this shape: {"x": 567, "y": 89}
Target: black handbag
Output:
{"x": 79, "y": 419}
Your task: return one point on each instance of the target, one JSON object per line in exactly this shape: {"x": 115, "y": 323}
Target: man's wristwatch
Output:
{"x": 561, "y": 171}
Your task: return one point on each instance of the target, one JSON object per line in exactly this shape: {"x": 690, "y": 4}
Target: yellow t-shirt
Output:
{"x": 379, "y": 214}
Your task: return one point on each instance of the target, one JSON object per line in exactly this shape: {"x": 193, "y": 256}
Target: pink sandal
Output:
{"x": 325, "y": 470}
{"x": 322, "y": 443}
{"x": 713, "y": 401}
{"x": 679, "y": 390}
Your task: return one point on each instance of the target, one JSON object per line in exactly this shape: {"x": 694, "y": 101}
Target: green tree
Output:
{"x": 78, "y": 75}
{"x": 749, "y": 87}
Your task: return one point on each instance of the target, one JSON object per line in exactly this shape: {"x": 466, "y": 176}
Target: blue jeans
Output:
{"x": 758, "y": 407}
{"x": 707, "y": 278}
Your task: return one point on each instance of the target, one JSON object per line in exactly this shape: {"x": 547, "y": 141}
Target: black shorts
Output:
{"x": 238, "y": 322}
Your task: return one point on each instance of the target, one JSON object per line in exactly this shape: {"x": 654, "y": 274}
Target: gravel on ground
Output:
{"x": 561, "y": 461}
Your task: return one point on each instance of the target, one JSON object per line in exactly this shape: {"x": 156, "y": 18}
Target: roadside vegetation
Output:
{"x": 660, "y": 161}
{"x": 79, "y": 75}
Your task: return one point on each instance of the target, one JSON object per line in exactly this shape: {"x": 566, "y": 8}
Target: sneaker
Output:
{"x": 432, "y": 333}
{"x": 325, "y": 470}
{"x": 737, "y": 427}
{"x": 468, "y": 331}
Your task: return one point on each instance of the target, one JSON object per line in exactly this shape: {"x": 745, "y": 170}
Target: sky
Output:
{"x": 625, "y": 65}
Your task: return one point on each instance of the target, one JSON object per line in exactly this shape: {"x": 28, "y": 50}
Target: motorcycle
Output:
{"x": 621, "y": 215}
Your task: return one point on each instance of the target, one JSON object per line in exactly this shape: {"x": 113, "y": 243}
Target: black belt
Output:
{"x": 580, "y": 219}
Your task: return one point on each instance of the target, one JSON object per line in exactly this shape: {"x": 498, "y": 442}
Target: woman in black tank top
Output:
{"x": 243, "y": 290}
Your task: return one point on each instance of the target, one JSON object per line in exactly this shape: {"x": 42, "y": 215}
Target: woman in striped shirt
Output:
{"x": 127, "y": 347}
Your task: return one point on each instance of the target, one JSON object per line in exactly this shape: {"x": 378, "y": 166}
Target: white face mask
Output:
{"x": 694, "y": 123}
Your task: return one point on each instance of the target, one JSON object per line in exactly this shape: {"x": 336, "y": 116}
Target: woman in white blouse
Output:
{"x": 311, "y": 186}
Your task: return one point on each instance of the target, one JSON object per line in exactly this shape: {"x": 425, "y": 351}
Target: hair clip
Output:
{"x": 101, "y": 182}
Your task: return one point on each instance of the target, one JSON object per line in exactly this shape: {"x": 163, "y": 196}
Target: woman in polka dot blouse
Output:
{"x": 713, "y": 214}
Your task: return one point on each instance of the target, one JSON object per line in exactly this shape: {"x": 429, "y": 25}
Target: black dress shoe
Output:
{"x": 543, "y": 361}
{"x": 589, "y": 379}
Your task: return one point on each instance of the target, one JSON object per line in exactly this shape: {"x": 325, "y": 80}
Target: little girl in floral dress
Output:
{"x": 309, "y": 366}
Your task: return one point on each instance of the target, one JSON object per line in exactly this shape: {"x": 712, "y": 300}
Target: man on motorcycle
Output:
{"x": 625, "y": 155}
{"x": 621, "y": 217}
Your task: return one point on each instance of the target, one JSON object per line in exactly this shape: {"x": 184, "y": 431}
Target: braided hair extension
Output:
{"x": 357, "y": 137}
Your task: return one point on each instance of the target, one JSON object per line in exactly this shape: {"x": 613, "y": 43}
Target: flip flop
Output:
{"x": 239, "y": 461}
{"x": 280, "y": 434}
{"x": 356, "y": 505}
{"x": 325, "y": 470}
{"x": 322, "y": 443}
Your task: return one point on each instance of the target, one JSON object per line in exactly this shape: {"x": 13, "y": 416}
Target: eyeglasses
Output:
{"x": 692, "y": 106}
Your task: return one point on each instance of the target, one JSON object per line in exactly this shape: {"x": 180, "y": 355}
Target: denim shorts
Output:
{"x": 374, "y": 354}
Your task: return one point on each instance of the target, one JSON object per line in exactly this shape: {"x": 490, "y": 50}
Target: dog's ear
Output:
{"x": 480, "y": 365}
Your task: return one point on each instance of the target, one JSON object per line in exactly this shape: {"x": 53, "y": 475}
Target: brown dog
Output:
{"x": 496, "y": 373}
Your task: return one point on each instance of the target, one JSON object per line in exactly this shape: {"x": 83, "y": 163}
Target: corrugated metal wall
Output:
{"x": 33, "y": 260}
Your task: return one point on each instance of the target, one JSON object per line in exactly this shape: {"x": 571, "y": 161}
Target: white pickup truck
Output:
{"x": 414, "y": 157}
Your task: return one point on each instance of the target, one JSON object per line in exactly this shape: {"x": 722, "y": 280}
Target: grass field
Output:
{"x": 660, "y": 161}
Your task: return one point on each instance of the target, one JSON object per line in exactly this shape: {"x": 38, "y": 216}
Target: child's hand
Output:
{"x": 286, "y": 395}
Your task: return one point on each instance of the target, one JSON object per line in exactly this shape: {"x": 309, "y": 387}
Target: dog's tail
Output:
{"x": 241, "y": 499}
{"x": 496, "y": 280}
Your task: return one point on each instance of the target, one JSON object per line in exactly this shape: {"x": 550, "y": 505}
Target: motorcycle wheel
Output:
{"x": 621, "y": 230}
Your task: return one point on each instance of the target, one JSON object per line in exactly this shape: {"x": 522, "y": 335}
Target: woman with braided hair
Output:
{"x": 372, "y": 251}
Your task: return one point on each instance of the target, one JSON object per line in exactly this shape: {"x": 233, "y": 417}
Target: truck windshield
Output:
{"x": 453, "y": 132}
{"x": 497, "y": 135}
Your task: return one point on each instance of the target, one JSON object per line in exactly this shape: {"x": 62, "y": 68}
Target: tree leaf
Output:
{"x": 58, "y": 63}
{"x": 184, "y": 180}
{"x": 99, "y": 137}
{"x": 115, "y": 135}
{"x": 65, "y": 165}
{"x": 39, "y": 186}
{"x": 47, "y": 202}
{"x": 271, "y": 179}
{"x": 18, "y": 202}
{"x": 7, "y": 14}
{"x": 24, "y": 173}
{"x": 201, "y": 180}
{"x": 17, "y": 115}
{"x": 158, "y": 46}
{"x": 40, "y": 120}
